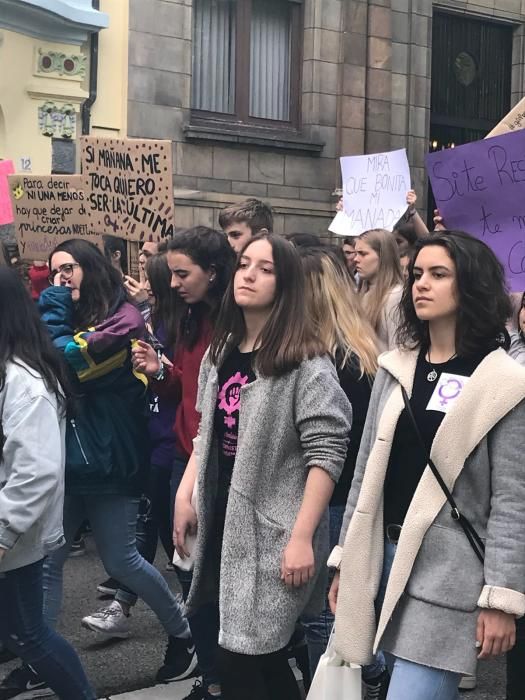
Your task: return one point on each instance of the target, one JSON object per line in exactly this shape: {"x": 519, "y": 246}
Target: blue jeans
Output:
{"x": 113, "y": 522}
{"x": 204, "y": 624}
{"x": 318, "y": 629}
{"x": 24, "y": 632}
{"x": 146, "y": 537}
{"x": 411, "y": 681}
{"x": 153, "y": 521}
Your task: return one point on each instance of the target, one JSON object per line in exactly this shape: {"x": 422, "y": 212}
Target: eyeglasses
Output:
{"x": 65, "y": 270}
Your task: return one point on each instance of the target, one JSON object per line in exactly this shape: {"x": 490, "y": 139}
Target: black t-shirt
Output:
{"x": 407, "y": 459}
{"x": 236, "y": 371}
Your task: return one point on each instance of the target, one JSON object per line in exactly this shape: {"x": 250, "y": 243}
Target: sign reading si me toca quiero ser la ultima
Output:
{"x": 129, "y": 187}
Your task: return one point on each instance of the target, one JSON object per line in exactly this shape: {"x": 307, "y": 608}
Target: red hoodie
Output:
{"x": 182, "y": 383}
{"x": 38, "y": 275}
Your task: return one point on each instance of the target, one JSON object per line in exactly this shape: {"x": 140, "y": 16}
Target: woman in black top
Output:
{"x": 438, "y": 606}
{"x": 335, "y": 309}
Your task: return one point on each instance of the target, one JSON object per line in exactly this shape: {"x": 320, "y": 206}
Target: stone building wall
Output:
{"x": 365, "y": 88}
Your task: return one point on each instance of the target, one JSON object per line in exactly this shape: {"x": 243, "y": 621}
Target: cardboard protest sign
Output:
{"x": 374, "y": 192}
{"x": 480, "y": 188}
{"x": 48, "y": 209}
{"x": 513, "y": 121}
{"x": 6, "y": 210}
{"x": 129, "y": 187}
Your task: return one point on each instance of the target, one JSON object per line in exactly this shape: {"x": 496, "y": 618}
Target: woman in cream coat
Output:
{"x": 410, "y": 583}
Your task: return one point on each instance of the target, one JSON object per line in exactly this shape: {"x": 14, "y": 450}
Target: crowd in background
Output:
{"x": 267, "y": 407}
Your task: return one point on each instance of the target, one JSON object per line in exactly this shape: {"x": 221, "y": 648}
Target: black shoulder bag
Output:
{"x": 474, "y": 539}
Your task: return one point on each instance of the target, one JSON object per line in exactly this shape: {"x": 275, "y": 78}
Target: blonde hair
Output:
{"x": 388, "y": 276}
{"x": 335, "y": 310}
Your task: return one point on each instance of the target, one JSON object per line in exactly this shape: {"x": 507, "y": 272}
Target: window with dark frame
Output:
{"x": 247, "y": 61}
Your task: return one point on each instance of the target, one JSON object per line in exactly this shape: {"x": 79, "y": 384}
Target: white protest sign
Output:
{"x": 374, "y": 192}
{"x": 341, "y": 224}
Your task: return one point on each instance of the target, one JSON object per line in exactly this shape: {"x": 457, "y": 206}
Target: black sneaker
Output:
{"x": 377, "y": 688}
{"x": 108, "y": 587}
{"x": 180, "y": 660}
{"x": 78, "y": 547}
{"x": 199, "y": 692}
{"x": 24, "y": 684}
{"x": 6, "y": 655}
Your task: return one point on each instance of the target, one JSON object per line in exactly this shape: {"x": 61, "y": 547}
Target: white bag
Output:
{"x": 187, "y": 563}
{"x": 335, "y": 679}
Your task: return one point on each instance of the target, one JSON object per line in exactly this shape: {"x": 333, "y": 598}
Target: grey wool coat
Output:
{"x": 287, "y": 425}
{"x": 437, "y": 585}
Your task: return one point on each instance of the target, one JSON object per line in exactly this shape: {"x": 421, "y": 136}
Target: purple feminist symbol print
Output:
{"x": 450, "y": 390}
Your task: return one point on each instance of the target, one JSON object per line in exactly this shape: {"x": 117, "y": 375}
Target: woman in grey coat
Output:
{"x": 271, "y": 445}
{"x": 516, "y": 656}
{"x": 410, "y": 582}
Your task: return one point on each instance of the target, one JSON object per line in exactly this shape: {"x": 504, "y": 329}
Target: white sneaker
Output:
{"x": 467, "y": 683}
{"x": 109, "y": 621}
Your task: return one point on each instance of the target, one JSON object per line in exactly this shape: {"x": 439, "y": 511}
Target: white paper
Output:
{"x": 447, "y": 391}
{"x": 374, "y": 192}
{"x": 341, "y": 225}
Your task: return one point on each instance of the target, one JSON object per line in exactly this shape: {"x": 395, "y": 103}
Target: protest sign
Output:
{"x": 480, "y": 188}
{"x": 374, "y": 192}
{"x": 129, "y": 187}
{"x": 341, "y": 224}
{"x": 513, "y": 121}
{"x": 6, "y": 210}
{"x": 48, "y": 209}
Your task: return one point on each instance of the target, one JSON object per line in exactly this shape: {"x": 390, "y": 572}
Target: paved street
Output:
{"x": 119, "y": 667}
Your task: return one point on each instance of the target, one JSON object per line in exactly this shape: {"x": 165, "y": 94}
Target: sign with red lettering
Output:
{"x": 129, "y": 187}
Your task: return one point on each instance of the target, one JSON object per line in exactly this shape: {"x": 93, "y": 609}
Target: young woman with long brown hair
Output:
{"x": 272, "y": 443}
{"x": 431, "y": 557}
{"x": 380, "y": 282}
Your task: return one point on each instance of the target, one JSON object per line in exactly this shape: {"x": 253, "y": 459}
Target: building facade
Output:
{"x": 261, "y": 97}
{"x": 63, "y": 72}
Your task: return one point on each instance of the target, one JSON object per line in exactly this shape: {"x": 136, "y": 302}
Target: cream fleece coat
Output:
{"x": 437, "y": 584}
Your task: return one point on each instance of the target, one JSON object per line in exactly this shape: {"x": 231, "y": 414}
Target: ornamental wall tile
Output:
{"x": 59, "y": 64}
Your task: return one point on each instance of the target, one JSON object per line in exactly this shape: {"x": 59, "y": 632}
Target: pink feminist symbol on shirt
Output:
{"x": 230, "y": 397}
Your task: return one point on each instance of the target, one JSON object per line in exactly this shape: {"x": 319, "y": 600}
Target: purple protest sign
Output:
{"x": 480, "y": 188}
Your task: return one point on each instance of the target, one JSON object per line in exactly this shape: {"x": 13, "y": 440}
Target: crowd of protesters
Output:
{"x": 313, "y": 432}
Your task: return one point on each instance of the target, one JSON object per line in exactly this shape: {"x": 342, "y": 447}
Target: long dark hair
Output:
{"x": 287, "y": 337}
{"x": 211, "y": 251}
{"x": 484, "y": 305}
{"x": 24, "y": 338}
{"x": 166, "y": 299}
{"x": 101, "y": 289}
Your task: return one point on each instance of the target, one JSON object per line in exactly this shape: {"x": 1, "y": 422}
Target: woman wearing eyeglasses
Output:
{"x": 107, "y": 450}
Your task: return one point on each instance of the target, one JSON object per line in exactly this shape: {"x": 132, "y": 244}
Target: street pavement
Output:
{"x": 125, "y": 669}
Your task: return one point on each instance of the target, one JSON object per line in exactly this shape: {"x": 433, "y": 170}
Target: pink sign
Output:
{"x": 6, "y": 209}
